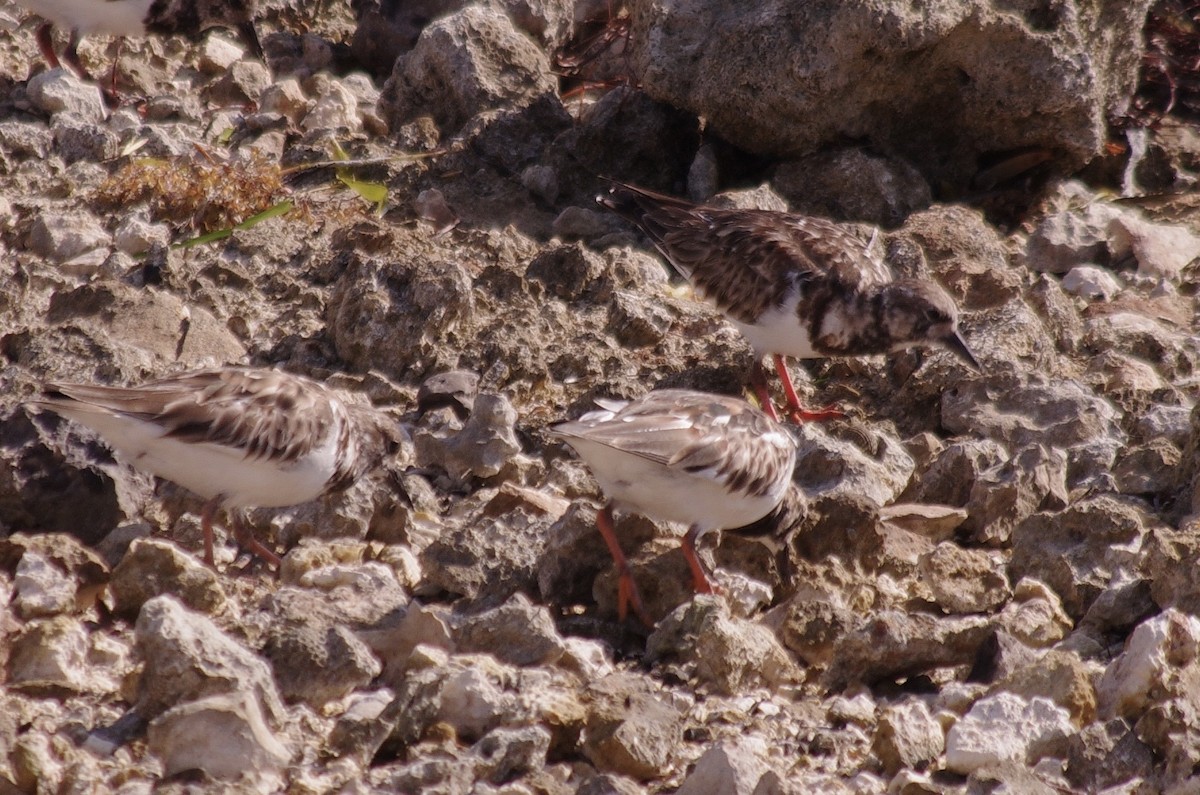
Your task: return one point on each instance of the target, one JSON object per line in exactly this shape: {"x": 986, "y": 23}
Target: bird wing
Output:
{"x": 746, "y": 259}
{"x": 695, "y": 432}
{"x": 264, "y": 413}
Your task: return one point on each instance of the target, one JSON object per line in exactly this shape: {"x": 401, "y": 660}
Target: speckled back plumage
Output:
{"x": 769, "y": 249}
{"x": 770, "y": 272}
{"x": 713, "y": 436}
{"x": 268, "y": 415}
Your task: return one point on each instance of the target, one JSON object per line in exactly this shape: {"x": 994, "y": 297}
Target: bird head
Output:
{"x": 922, "y": 313}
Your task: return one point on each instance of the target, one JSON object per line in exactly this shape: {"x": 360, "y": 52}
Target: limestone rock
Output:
{"x": 1006, "y": 728}
{"x": 224, "y": 735}
{"x": 187, "y": 657}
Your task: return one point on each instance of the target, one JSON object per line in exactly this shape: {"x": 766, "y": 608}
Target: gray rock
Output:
{"x": 1079, "y": 551}
{"x": 907, "y": 736}
{"x": 935, "y": 522}
{"x": 1147, "y": 469}
{"x": 1035, "y": 616}
{"x": 736, "y": 767}
{"x": 1006, "y": 728}
{"x": 46, "y": 487}
{"x": 360, "y": 730}
{"x": 810, "y": 624}
{"x": 965, "y": 253}
{"x": 153, "y": 567}
{"x": 1059, "y": 675}
{"x": 1170, "y": 349}
{"x": 1162, "y": 251}
{"x": 542, "y": 182}
{"x": 1147, "y": 670}
{"x": 286, "y": 98}
{"x": 506, "y": 753}
{"x": 135, "y": 235}
{"x": 187, "y": 657}
{"x": 867, "y": 462}
{"x": 224, "y": 735}
{"x": 395, "y": 317}
{"x": 456, "y": 389}
{"x": 1035, "y": 479}
{"x": 638, "y": 322}
{"x": 466, "y": 62}
{"x": 243, "y": 82}
{"x": 1092, "y": 283}
{"x": 1073, "y": 232}
{"x": 741, "y": 71}
{"x": 575, "y": 553}
{"x": 1034, "y": 410}
{"x": 217, "y": 55}
{"x": 40, "y": 588}
{"x": 318, "y": 664}
{"x": 147, "y": 325}
{"x": 566, "y": 270}
{"x": 25, "y": 139}
{"x": 516, "y": 632}
{"x": 726, "y": 653}
{"x": 60, "y": 91}
{"x": 486, "y": 445}
{"x": 630, "y": 731}
{"x": 1120, "y": 607}
{"x": 583, "y": 223}
{"x": 1058, "y": 311}
{"x": 895, "y": 644}
{"x": 78, "y": 138}
{"x": 852, "y": 184}
{"x": 61, "y": 575}
{"x": 50, "y": 654}
{"x": 335, "y": 109}
{"x": 1016, "y": 777}
{"x": 951, "y": 476}
{"x": 963, "y": 580}
{"x": 62, "y": 236}
{"x": 851, "y": 526}
{"x": 1105, "y": 755}
{"x": 474, "y": 694}
{"x": 1167, "y": 422}
{"x": 487, "y": 560}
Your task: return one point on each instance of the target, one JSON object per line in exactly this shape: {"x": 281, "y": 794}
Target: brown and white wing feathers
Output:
{"x": 698, "y": 433}
{"x": 746, "y": 261}
{"x": 265, "y": 414}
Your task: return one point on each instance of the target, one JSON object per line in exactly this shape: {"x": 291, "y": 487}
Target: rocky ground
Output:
{"x": 991, "y": 585}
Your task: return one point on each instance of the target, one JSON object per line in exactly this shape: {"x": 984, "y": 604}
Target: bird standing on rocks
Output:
{"x": 239, "y": 437}
{"x": 792, "y": 285}
{"x": 706, "y": 461}
{"x": 136, "y": 18}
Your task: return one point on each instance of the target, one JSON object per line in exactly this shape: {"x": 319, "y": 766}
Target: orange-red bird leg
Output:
{"x": 798, "y": 413}
{"x": 627, "y": 591}
{"x": 247, "y": 540}
{"x": 700, "y": 581}
{"x": 758, "y": 382}
{"x": 206, "y": 520}
{"x": 45, "y": 41}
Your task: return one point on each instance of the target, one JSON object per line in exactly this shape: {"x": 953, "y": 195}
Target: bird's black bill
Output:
{"x": 250, "y": 37}
{"x": 958, "y": 346}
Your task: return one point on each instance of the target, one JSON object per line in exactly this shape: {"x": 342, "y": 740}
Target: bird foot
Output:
{"x": 799, "y": 415}
{"x": 627, "y": 596}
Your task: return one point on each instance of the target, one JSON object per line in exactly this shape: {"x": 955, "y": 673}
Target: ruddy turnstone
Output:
{"x": 239, "y": 437}
{"x": 136, "y": 18}
{"x": 707, "y": 461}
{"x": 792, "y": 285}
